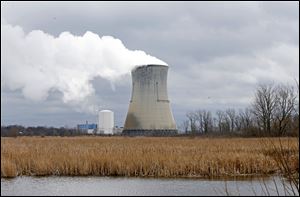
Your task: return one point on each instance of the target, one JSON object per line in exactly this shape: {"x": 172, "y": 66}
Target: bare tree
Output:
{"x": 205, "y": 121}
{"x": 285, "y": 104}
{"x": 297, "y": 100}
{"x": 199, "y": 119}
{"x": 223, "y": 122}
{"x": 192, "y": 119}
{"x": 231, "y": 116}
{"x": 274, "y": 111}
{"x": 246, "y": 121}
{"x": 264, "y": 106}
{"x": 220, "y": 117}
{"x": 185, "y": 126}
{"x": 295, "y": 123}
{"x": 238, "y": 122}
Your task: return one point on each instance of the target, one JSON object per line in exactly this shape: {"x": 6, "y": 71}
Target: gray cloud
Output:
{"x": 217, "y": 52}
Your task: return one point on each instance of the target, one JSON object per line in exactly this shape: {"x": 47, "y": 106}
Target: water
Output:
{"x": 137, "y": 186}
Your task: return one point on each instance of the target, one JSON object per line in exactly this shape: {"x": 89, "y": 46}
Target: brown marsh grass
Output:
{"x": 144, "y": 156}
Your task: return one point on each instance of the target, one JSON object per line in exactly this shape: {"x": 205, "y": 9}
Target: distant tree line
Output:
{"x": 273, "y": 112}
{"x": 17, "y": 130}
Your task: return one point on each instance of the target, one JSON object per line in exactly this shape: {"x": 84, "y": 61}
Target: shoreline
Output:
{"x": 223, "y": 178}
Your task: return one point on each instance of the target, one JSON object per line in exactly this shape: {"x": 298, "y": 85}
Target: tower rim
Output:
{"x": 148, "y": 65}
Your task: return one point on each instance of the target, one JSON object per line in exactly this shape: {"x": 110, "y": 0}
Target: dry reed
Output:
{"x": 141, "y": 156}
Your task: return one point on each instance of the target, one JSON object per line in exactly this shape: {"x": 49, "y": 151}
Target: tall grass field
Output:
{"x": 146, "y": 156}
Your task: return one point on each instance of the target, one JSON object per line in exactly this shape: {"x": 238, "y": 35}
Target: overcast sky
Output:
{"x": 217, "y": 52}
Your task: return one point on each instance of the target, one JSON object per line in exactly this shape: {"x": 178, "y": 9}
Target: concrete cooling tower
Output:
{"x": 149, "y": 112}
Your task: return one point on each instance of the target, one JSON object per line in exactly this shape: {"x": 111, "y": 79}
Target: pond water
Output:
{"x": 139, "y": 186}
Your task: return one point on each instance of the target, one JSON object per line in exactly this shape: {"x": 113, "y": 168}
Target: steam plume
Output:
{"x": 38, "y": 62}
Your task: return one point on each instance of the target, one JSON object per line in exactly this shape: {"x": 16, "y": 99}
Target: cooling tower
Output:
{"x": 149, "y": 110}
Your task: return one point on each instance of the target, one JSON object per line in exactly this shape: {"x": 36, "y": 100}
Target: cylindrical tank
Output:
{"x": 149, "y": 110}
{"x": 106, "y": 122}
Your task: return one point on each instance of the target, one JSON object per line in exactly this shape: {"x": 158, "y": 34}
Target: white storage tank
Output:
{"x": 106, "y": 122}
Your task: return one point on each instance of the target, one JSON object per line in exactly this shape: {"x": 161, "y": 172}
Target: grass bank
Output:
{"x": 145, "y": 156}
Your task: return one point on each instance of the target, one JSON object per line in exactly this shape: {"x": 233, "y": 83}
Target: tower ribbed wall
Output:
{"x": 149, "y": 110}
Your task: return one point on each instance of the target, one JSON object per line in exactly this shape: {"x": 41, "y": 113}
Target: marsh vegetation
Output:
{"x": 148, "y": 156}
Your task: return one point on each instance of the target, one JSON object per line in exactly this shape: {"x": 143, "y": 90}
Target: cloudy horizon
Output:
{"x": 217, "y": 52}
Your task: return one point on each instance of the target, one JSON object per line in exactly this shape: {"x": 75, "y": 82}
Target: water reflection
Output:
{"x": 137, "y": 186}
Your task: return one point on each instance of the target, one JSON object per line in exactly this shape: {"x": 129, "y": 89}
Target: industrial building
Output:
{"x": 149, "y": 112}
{"x": 87, "y": 128}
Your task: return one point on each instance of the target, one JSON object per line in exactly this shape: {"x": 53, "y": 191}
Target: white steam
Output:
{"x": 38, "y": 62}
